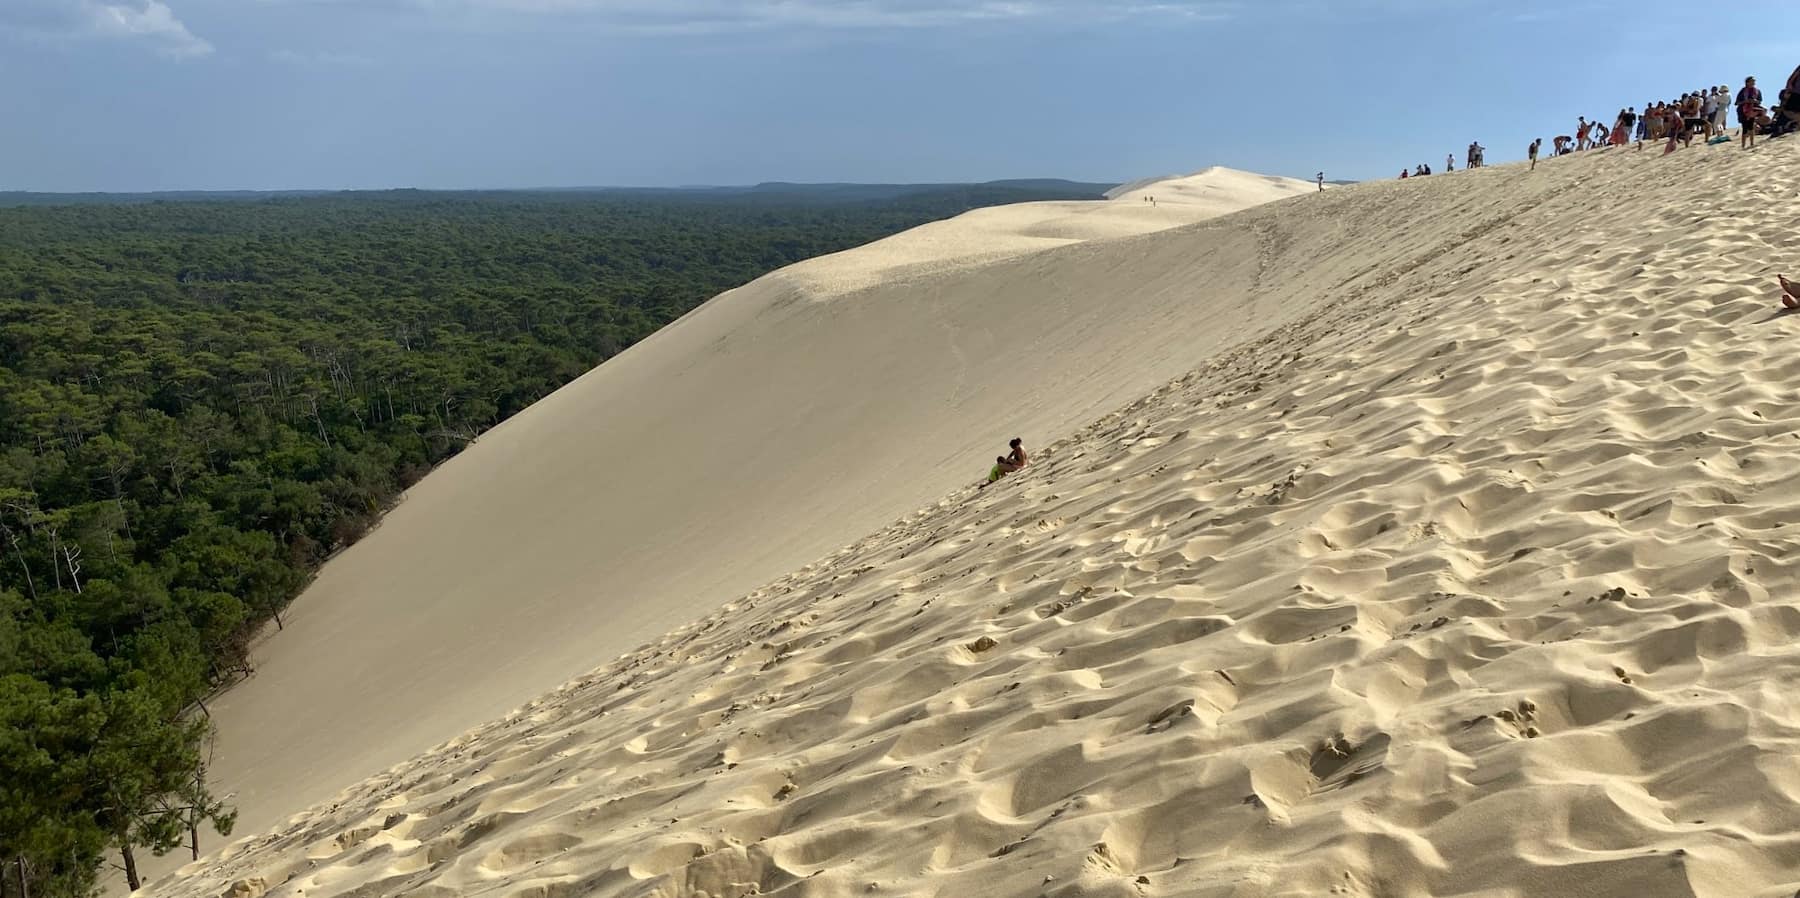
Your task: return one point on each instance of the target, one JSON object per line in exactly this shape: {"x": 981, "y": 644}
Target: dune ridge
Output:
{"x": 986, "y": 236}
{"x": 1472, "y": 579}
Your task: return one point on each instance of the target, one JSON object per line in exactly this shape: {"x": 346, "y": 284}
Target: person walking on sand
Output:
{"x": 1532, "y": 153}
{"x": 1321, "y": 182}
{"x": 1677, "y": 129}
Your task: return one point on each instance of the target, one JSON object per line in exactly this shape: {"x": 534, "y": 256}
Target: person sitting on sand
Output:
{"x": 999, "y": 470}
{"x": 1008, "y": 463}
{"x": 1790, "y": 97}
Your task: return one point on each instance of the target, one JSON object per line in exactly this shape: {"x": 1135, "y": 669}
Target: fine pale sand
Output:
{"x": 985, "y": 236}
{"x": 765, "y": 429}
{"x": 1457, "y": 563}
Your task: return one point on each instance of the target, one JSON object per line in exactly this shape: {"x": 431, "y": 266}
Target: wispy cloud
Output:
{"x": 736, "y": 15}
{"x": 148, "y": 22}
{"x": 320, "y": 59}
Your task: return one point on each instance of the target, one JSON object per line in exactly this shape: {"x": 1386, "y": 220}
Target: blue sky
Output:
{"x": 268, "y": 94}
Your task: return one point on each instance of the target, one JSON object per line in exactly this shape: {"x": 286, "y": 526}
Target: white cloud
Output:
{"x": 149, "y": 22}
{"x": 153, "y": 20}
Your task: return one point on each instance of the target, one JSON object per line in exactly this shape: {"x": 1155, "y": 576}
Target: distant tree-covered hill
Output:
{"x": 1027, "y": 189}
{"x": 203, "y": 398}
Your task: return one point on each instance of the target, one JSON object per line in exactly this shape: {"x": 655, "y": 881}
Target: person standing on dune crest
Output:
{"x": 1749, "y": 108}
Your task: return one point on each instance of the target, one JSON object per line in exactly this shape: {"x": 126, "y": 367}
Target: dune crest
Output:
{"x": 1473, "y": 579}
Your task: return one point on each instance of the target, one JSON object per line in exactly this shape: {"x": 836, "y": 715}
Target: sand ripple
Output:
{"x": 1477, "y": 582}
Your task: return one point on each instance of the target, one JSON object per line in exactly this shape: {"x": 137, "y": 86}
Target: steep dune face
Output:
{"x": 1468, "y": 572}
{"x": 772, "y": 425}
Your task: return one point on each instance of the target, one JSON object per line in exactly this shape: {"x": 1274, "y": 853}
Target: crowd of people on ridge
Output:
{"x": 1476, "y": 157}
{"x": 1705, "y": 113}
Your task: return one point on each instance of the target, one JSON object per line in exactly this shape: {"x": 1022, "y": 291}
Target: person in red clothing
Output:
{"x": 1749, "y": 108}
{"x": 1581, "y": 133}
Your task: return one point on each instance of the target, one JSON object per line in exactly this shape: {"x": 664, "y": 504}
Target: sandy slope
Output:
{"x": 1474, "y": 581}
{"x": 985, "y": 236}
{"x": 754, "y": 435}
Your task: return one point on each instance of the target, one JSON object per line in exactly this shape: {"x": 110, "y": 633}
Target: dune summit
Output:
{"x": 985, "y": 236}
{"x": 757, "y": 433}
{"x": 1455, "y": 564}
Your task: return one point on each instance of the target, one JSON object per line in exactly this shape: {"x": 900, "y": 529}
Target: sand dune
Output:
{"x": 758, "y": 433}
{"x": 985, "y": 236}
{"x": 1464, "y": 572}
